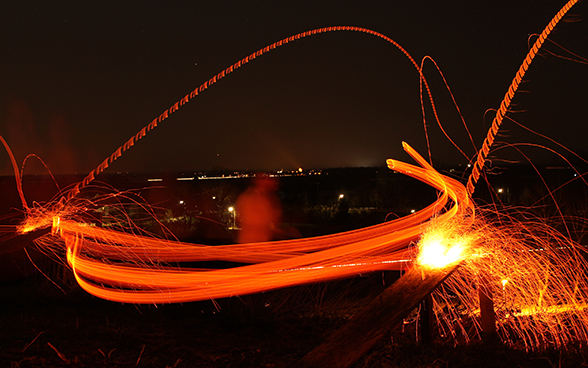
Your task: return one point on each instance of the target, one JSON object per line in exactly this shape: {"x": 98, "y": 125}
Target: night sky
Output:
{"x": 78, "y": 79}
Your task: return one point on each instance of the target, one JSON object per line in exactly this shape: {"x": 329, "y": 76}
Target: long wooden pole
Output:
{"x": 426, "y": 320}
{"x": 16, "y": 240}
{"x": 350, "y": 342}
{"x": 487, "y": 315}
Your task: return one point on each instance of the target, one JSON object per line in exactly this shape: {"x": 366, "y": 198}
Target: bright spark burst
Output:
{"x": 441, "y": 246}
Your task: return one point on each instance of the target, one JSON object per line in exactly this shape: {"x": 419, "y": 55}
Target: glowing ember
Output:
{"x": 504, "y": 282}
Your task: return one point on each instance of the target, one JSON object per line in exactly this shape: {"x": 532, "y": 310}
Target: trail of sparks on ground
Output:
{"x": 537, "y": 276}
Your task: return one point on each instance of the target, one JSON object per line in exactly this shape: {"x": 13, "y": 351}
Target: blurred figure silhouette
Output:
{"x": 259, "y": 211}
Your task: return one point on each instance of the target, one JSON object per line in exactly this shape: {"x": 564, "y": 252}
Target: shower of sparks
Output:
{"x": 441, "y": 246}
{"x": 537, "y": 278}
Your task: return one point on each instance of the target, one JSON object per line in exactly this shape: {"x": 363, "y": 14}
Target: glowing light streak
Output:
{"x": 554, "y": 309}
{"x": 187, "y": 98}
{"x": 512, "y": 89}
{"x": 130, "y": 268}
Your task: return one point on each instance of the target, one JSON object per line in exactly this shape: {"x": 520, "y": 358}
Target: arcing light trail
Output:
{"x": 134, "y": 271}
{"x": 504, "y": 105}
{"x": 365, "y": 250}
{"x": 534, "y": 285}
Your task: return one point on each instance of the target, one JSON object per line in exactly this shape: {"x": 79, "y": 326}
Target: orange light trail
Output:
{"x": 336, "y": 256}
{"x": 130, "y": 268}
{"x": 512, "y": 90}
{"x": 188, "y": 97}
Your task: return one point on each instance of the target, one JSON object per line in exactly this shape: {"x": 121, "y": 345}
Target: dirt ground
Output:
{"x": 42, "y": 326}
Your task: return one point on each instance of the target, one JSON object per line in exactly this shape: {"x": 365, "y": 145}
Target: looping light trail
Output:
{"x": 136, "y": 269}
{"x": 163, "y": 116}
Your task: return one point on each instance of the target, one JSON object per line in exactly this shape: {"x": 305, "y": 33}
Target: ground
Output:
{"x": 42, "y": 326}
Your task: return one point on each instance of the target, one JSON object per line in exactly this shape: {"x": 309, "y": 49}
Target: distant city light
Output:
{"x": 155, "y": 179}
{"x": 500, "y": 190}
{"x": 341, "y": 196}
{"x": 181, "y": 202}
{"x": 299, "y": 169}
{"x": 231, "y": 209}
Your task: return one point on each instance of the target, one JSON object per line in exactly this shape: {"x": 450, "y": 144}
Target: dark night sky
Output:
{"x": 78, "y": 79}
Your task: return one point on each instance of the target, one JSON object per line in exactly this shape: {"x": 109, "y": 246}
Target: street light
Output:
{"x": 232, "y": 210}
